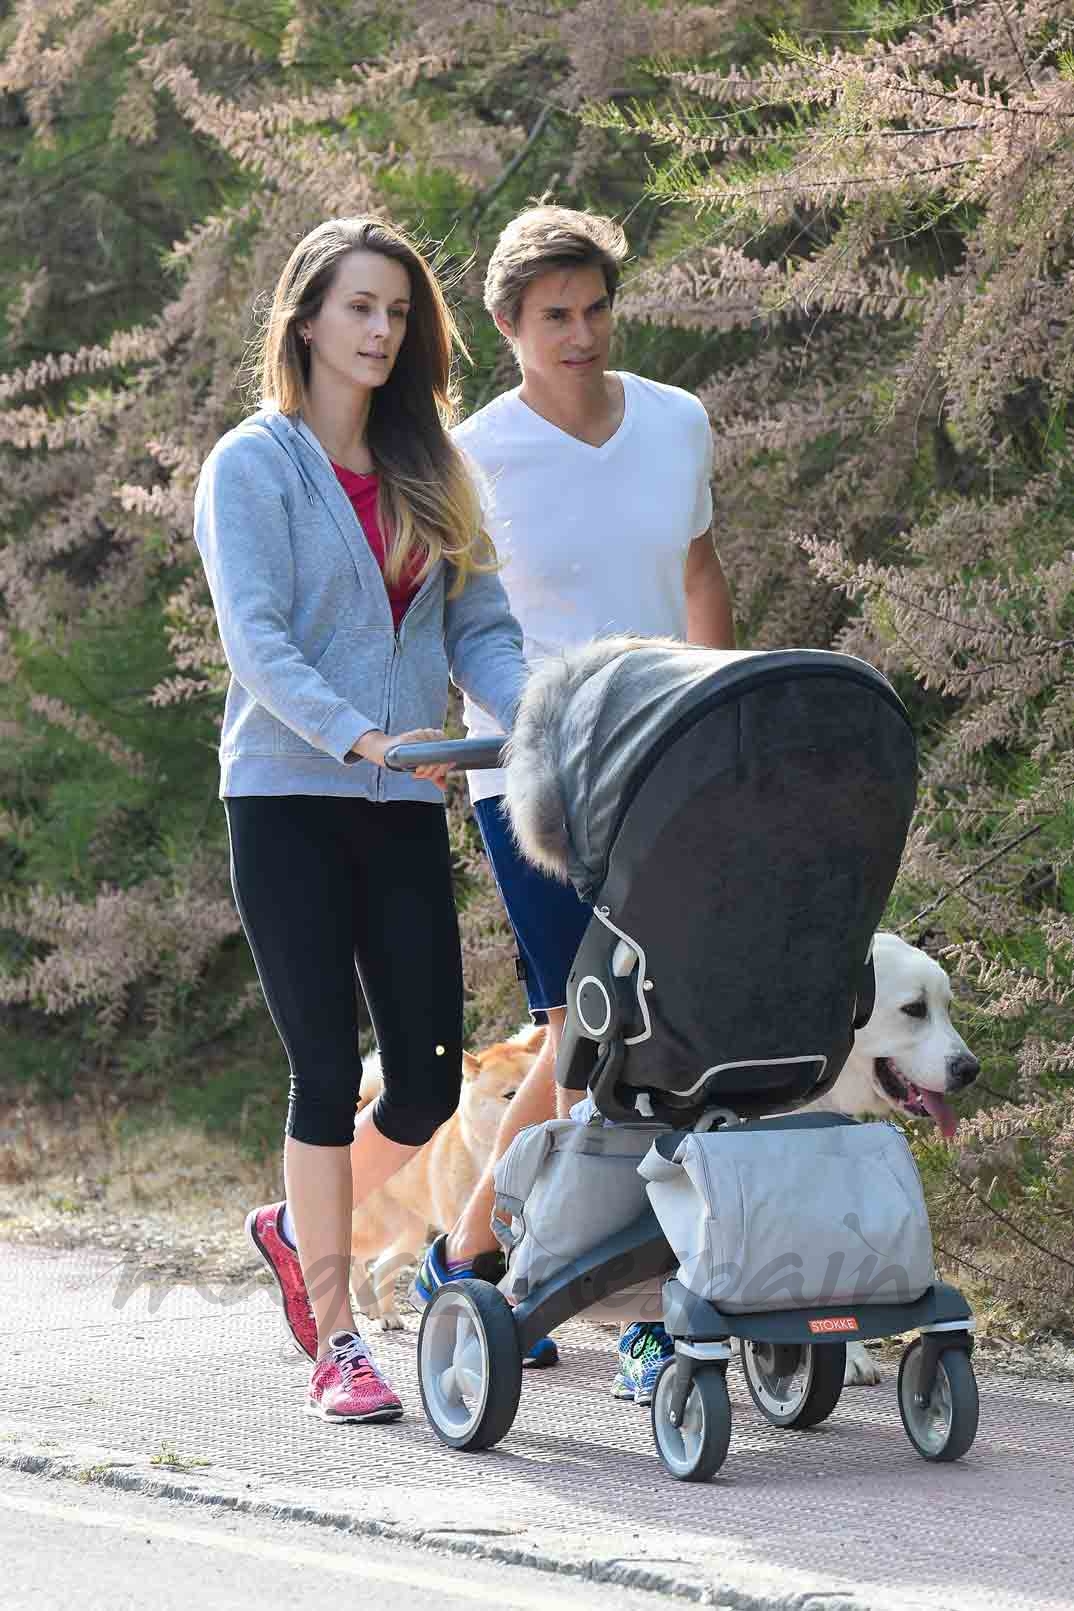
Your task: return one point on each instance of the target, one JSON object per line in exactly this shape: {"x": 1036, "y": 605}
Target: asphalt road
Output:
{"x": 70, "y": 1546}
{"x": 184, "y": 1399}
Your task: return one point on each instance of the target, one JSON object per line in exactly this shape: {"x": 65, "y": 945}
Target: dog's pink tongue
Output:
{"x": 937, "y": 1109}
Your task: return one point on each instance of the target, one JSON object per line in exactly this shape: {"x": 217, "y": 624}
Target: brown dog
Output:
{"x": 392, "y": 1226}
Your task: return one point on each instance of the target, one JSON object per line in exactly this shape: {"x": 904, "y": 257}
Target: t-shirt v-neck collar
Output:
{"x": 606, "y": 449}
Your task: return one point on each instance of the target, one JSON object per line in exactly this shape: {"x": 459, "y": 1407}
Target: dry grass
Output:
{"x": 1015, "y": 1262}
{"x": 71, "y": 1176}
{"x": 170, "y": 1193}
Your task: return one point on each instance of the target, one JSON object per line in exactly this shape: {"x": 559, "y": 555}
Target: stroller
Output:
{"x": 736, "y": 821}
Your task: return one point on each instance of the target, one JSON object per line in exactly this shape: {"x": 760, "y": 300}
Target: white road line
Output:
{"x": 290, "y": 1555}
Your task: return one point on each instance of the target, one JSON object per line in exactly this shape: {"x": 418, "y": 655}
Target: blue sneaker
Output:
{"x": 644, "y": 1349}
{"x": 433, "y": 1273}
{"x": 543, "y": 1353}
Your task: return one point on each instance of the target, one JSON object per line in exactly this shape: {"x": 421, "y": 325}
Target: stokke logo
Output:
{"x": 834, "y": 1323}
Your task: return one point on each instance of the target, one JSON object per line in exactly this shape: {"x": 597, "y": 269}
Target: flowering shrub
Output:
{"x": 852, "y": 239}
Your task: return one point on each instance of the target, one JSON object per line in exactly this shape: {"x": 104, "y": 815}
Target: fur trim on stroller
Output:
{"x": 535, "y": 752}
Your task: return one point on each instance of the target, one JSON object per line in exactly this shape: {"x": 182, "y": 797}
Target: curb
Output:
{"x": 133, "y": 1473}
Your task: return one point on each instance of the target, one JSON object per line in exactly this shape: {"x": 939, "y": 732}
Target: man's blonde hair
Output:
{"x": 547, "y": 237}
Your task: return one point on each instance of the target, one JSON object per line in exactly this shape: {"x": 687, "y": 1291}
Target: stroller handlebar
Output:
{"x": 474, "y": 754}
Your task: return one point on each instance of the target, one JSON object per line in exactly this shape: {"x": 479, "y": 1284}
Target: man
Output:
{"x": 597, "y": 496}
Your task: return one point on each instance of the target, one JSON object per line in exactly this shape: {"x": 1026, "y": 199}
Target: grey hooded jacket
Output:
{"x": 307, "y": 628}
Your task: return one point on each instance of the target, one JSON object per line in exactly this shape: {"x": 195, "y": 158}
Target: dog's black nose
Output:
{"x": 962, "y": 1071}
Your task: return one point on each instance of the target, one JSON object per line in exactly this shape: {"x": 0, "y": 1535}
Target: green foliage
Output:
{"x": 95, "y": 822}
{"x": 785, "y": 266}
{"x": 796, "y": 168}
{"x": 97, "y": 212}
{"x": 244, "y": 1097}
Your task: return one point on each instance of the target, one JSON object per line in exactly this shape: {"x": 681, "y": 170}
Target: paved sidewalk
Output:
{"x": 190, "y": 1393}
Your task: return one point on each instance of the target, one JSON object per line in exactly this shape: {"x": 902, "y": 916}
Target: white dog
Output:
{"x": 909, "y": 1057}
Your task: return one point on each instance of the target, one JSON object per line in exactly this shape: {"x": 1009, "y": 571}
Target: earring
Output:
{"x": 306, "y": 337}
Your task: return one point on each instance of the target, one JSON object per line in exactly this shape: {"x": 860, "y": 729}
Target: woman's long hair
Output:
{"x": 427, "y": 501}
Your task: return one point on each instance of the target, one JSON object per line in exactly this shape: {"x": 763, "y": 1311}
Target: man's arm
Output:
{"x": 709, "y": 621}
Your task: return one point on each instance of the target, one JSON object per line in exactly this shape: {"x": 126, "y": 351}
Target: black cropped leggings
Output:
{"x": 325, "y": 886}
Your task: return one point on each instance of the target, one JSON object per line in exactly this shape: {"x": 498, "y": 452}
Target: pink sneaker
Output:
{"x": 263, "y": 1233}
{"x": 347, "y": 1386}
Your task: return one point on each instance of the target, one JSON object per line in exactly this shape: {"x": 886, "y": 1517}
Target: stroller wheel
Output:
{"x": 696, "y": 1448}
{"x": 944, "y": 1427}
{"x": 794, "y": 1384}
{"x": 469, "y": 1365}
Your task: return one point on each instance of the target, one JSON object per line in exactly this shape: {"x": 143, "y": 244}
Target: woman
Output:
{"x": 343, "y": 545}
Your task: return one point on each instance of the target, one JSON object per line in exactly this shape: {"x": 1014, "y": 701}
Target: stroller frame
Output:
{"x": 472, "y": 1342}
{"x": 691, "y": 1413}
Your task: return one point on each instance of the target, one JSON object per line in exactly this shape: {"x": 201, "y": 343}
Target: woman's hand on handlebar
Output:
{"x": 374, "y": 745}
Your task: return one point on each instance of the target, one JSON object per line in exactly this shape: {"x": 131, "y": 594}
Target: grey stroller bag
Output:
{"x": 563, "y": 1187}
{"x": 789, "y": 1219}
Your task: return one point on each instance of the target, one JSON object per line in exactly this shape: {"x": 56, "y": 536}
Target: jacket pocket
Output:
{"x": 354, "y": 663}
{"x": 318, "y": 660}
{"x": 420, "y": 695}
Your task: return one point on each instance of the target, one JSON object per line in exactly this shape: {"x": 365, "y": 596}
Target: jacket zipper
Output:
{"x": 381, "y": 778}
{"x": 396, "y": 633}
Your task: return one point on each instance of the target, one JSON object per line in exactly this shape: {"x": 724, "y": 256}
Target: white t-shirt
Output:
{"x": 592, "y": 540}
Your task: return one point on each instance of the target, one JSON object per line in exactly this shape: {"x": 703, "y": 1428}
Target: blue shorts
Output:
{"x": 547, "y": 917}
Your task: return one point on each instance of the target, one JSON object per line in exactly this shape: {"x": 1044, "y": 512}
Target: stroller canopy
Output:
{"x": 739, "y": 820}
{"x": 596, "y": 723}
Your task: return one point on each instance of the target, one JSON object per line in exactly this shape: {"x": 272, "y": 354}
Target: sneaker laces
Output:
{"x": 649, "y": 1345}
{"x": 353, "y": 1360}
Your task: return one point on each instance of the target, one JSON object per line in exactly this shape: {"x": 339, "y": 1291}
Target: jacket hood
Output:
{"x": 296, "y": 439}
